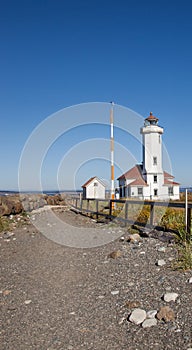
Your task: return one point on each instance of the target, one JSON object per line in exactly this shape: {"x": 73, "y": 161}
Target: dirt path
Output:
{"x": 55, "y": 297}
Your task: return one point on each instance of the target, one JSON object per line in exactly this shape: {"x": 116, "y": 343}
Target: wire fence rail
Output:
{"x": 124, "y": 210}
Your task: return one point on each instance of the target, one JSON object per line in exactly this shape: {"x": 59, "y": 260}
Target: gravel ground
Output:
{"x": 55, "y": 297}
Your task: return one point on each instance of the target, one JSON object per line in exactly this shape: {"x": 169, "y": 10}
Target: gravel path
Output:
{"x": 56, "y": 297}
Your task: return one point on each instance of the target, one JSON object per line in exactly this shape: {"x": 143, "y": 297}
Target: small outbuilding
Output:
{"x": 94, "y": 188}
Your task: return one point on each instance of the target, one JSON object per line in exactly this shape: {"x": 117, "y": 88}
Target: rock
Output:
{"x": 161, "y": 249}
{"x": 114, "y": 255}
{"x": 8, "y": 235}
{"x": 166, "y": 314}
{"x": 151, "y": 313}
{"x": 170, "y": 297}
{"x": 10, "y": 205}
{"x": 144, "y": 232}
{"x": 132, "y": 304}
{"x": 122, "y": 319}
{"x": 161, "y": 262}
{"x": 6, "y": 292}
{"x": 170, "y": 258}
{"x": 149, "y": 322}
{"x": 190, "y": 280}
{"x": 115, "y": 292}
{"x": 27, "y": 302}
{"x": 138, "y": 316}
{"x": 134, "y": 238}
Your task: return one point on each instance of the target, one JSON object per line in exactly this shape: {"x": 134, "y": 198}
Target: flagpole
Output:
{"x": 112, "y": 153}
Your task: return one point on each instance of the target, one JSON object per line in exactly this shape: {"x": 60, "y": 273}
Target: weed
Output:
{"x": 184, "y": 259}
{"x": 182, "y": 236}
{"x": 4, "y": 224}
{"x": 133, "y": 230}
{"x": 184, "y": 249}
{"x": 173, "y": 219}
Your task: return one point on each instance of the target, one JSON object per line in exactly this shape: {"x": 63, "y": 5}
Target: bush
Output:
{"x": 173, "y": 219}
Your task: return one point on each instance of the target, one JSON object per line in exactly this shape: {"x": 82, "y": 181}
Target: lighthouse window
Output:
{"x": 95, "y": 184}
{"x": 155, "y": 178}
{"x": 154, "y": 160}
{"x": 155, "y": 192}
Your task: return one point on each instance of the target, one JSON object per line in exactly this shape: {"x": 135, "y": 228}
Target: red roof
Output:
{"x": 151, "y": 117}
{"x": 90, "y": 180}
{"x": 168, "y": 176}
{"x": 134, "y": 173}
{"x": 139, "y": 182}
{"x": 167, "y": 179}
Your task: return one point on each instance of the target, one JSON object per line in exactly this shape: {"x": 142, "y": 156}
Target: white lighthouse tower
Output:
{"x": 148, "y": 180}
{"x": 153, "y": 172}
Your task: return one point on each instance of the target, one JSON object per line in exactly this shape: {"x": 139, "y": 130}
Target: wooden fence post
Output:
{"x": 87, "y": 207}
{"x": 97, "y": 209}
{"x": 81, "y": 204}
{"x": 151, "y": 214}
{"x": 126, "y": 211}
{"x": 188, "y": 224}
{"x": 110, "y": 208}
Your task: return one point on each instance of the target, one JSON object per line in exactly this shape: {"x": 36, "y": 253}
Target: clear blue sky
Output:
{"x": 57, "y": 53}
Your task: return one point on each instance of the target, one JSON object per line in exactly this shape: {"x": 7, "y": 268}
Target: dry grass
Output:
{"x": 4, "y": 224}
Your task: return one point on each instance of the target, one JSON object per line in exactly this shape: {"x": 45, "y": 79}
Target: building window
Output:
{"x": 154, "y": 160}
{"x": 95, "y": 184}
{"x": 170, "y": 191}
{"x": 140, "y": 191}
{"x": 155, "y": 178}
{"x": 155, "y": 192}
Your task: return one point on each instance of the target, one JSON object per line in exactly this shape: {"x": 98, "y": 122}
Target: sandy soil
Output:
{"x": 57, "y": 297}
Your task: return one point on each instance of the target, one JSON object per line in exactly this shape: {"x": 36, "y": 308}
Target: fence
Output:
{"x": 110, "y": 209}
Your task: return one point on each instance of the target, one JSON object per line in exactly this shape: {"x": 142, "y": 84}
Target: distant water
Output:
{"x": 71, "y": 192}
{"x": 183, "y": 189}
{"x": 7, "y": 193}
{"x": 49, "y": 193}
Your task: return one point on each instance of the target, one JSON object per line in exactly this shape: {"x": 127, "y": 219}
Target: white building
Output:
{"x": 149, "y": 180}
{"x": 94, "y": 188}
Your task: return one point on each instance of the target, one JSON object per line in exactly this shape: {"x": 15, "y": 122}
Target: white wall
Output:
{"x": 95, "y": 191}
{"x": 152, "y": 142}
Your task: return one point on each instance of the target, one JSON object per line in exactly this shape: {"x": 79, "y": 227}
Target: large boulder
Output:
{"x": 10, "y": 205}
{"x": 15, "y": 204}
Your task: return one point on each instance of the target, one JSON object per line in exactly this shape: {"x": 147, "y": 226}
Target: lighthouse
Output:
{"x": 148, "y": 180}
{"x": 152, "y": 156}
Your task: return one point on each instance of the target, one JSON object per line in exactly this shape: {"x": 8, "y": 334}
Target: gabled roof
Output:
{"x": 139, "y": 182}
{"x": 167, "y": 182}
{"x": 93, "y": 179}
{"x": 134, "y": 173}
{"x": 168, "y": 179}
{"x": 167, "y": 175}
